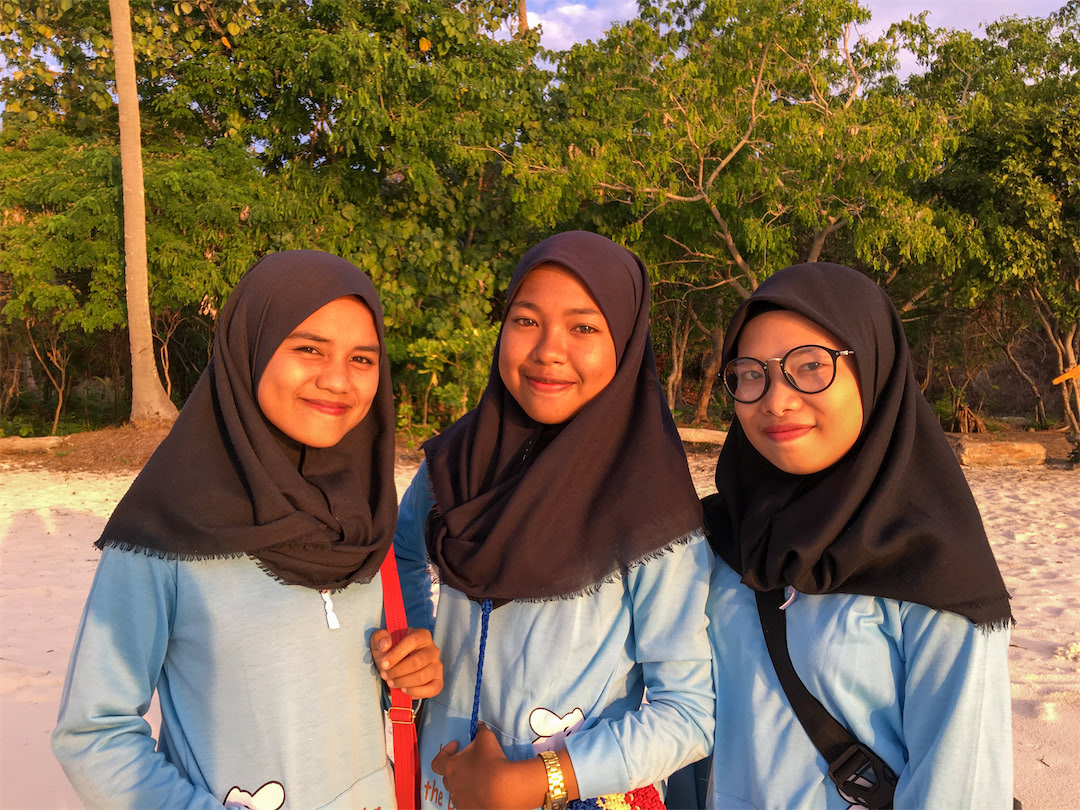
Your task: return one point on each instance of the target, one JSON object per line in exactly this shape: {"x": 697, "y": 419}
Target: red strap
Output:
{"x": 406, "y": 759}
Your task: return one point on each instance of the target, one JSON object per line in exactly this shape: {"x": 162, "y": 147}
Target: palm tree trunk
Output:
{"x": 148, "y": 399}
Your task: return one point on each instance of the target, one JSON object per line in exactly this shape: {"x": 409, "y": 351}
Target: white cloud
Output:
{"x": 947, "y": 14}
{"x": 954, "y": 14}
{"x": 567, "y": 23}
{"x": 575, "y": 10}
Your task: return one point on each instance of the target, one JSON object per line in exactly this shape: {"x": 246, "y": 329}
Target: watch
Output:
{"x": 556, "y": 792}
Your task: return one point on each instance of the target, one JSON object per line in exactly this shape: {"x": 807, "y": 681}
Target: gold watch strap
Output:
{"x": 556, "y": 793}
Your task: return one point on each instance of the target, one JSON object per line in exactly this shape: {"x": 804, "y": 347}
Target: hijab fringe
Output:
{"x": 614, "y": 576}
{"x": 165, "y": 554}
{"x": 991, "y": 606}
{"x": 338, "y": 588}
{"x": 186, "y": 556}
{"x": 997, "y": 624}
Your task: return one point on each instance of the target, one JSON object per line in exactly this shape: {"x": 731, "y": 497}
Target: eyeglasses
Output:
{"x": 809, "y": 369}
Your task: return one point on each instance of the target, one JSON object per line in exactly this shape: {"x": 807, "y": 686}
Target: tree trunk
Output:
{"x": 523, "y": 19}
{"x": 54, "y": 351}
{"x": 1063, "y": 342}
{"x": 680, "y": 329}
{"x": 1040, "y": 409}
{"x": 701, "y": 414}
{"x": 818, "y": 243}
{"x": 148, "y": 399}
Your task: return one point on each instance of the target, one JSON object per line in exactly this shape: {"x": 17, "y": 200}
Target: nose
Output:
{"x": 780, "y": 396}
{"x": 550, "y": 346}
{"x": 334, "y": 377}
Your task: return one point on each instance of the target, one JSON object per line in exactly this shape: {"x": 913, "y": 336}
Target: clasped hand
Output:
{"x": 480, "y": 777}
{"x": 413, "y": 665}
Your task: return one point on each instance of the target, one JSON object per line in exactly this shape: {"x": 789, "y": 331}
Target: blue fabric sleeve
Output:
{"x": 410, "y": 546}
{"x": 957, "y": 713}
{"x": 101, "y": 738}
{"x": 674, "y": 727}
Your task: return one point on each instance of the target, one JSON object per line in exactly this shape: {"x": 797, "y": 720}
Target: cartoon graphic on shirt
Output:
{"x": 552, "y": 730}
{"x": 270, "y": 796}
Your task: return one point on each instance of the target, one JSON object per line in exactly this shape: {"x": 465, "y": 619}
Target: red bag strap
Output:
{"x": 406, "y": 759}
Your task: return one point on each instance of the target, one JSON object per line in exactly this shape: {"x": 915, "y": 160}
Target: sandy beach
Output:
{"x": 49, "y": 520}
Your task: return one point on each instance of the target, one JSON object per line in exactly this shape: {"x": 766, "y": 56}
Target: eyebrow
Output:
{"x": 313, "y": 337}
{"x": 576, "y": 311}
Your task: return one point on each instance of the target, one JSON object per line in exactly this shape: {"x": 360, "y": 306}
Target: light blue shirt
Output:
{"x": 583, "y": 662}
{"x": 256, "y": 691}
{"x": 927, "y": 691}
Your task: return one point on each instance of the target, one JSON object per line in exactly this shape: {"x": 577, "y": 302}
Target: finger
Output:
{"x": 485, "y": 737}
{"x": 396, "y": 678}
{"x": 425, "y": 660}
{"x": 415, "y": 639}
{"x": 425, "y": 689}
{"x": 438, "y": 765}
{"x": 380, "y": 642}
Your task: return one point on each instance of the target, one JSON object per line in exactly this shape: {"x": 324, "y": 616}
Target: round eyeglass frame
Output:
{"x": 833, "y": 353}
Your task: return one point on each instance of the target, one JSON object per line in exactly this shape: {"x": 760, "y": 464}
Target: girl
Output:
{"x": 564, "y": 528}
{"x": 837, "y": 487}
{"x": 239, "y": 574}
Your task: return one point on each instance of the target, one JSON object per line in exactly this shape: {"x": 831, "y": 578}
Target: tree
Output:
{"x": 740, "y": 137}
{"x": 148, "y": 398}
{"x": 61, "y": 283}
{"x": 375, "y": 131}
{"x": 1009, "y": 196}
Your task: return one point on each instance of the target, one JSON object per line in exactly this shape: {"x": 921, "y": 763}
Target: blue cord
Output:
{"x": 485, "y": 612}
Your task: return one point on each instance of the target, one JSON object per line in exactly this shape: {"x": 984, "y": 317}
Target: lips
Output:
{"x": 548, "y": 384}
{"x": 328, "y": 408}
{"x": 787, "y": 433}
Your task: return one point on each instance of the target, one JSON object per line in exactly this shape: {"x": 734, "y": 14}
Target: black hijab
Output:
{"x": 531, "y": 511}
{"x": 226, "y": 482}
{"x": 894, "y": 517}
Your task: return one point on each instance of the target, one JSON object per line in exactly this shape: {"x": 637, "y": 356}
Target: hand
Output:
{"x": 413, "y": 665}
{"x": 481, "y": 777}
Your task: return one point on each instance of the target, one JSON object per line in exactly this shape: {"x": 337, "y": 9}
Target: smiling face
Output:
{"x": 798, "y": 433}
{"x": 556, "y": 352}
{"x": 322, "y": 379}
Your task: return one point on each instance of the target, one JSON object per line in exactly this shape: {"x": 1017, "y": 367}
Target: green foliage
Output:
{"x": 29, "y": 419}
{"x": 1008, "y": 197}
{"x": 751, "y": 129}
{"x": 719, "y": 139}
{"x": 374, "y": 130}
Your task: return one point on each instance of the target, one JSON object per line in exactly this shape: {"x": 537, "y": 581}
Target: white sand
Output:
{"x": 48, "y": 522}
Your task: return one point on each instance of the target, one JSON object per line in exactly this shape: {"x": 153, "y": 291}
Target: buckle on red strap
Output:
{"x": 404, "y": 715}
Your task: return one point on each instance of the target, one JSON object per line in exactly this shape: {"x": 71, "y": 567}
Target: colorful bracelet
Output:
{"x": 646, "y": 798}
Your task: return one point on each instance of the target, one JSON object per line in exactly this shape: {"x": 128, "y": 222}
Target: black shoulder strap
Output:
{"x": 860, "y": 775}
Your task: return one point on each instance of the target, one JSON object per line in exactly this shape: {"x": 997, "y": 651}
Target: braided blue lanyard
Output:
{"x": 485, "y": 613}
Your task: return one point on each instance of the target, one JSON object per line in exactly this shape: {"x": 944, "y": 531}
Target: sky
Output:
{"x": 565, "y": 23}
